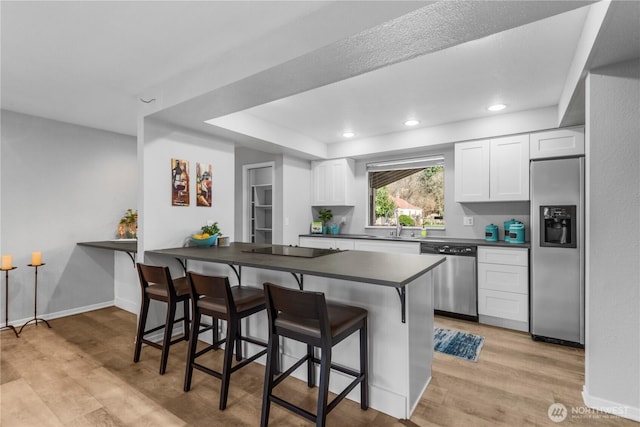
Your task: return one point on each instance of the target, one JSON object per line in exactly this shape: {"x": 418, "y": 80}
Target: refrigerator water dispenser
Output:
{"x": 558, "y": 226}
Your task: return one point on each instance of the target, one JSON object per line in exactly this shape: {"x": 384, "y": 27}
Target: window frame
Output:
{"x": 414, "y": 163}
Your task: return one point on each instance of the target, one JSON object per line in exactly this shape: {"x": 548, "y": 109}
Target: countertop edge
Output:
{"x": 211, "y": 257}
{"x": 432, "y": 239}
{"x": 112, "y": 245}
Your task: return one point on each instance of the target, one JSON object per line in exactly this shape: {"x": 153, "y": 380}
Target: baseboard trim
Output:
{"x": 601, "y": 406}
{"x": 64, "y": 313}
{"x": 127, "y": 305}
{"x": 415, "y": 405}
{"x": 380, "y": 399}
{"x": 504, "y": 323}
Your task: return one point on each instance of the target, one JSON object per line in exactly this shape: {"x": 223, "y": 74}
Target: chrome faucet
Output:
{"x": 398, "y": 225}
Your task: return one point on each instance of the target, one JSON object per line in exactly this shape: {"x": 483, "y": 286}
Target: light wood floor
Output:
{"x": 80, "y": 373}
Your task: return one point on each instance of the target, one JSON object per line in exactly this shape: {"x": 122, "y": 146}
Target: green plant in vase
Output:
{"x": 325, "y": 216}
{"x": 211, "y": 228}
{"x": 128, "y": 226}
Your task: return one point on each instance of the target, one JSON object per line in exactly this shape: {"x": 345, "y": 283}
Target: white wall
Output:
{"x": 62, "y": 184}
{"x": 612, "y": 368}
{"x": 162, "y": 225}
{"x": 296, "y": 190}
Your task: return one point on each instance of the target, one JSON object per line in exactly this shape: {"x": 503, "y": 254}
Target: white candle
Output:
{"x": 36, "y": 258}
{"x": 6, "y": 262}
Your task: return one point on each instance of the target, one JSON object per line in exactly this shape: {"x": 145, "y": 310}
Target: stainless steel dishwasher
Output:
{"x": 455, "y": 281}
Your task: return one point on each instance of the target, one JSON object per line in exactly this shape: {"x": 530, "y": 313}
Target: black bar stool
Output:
{"x": 307, "y": 317}
{"x": 213, "y": 296}
{"x": 156, "y": 283}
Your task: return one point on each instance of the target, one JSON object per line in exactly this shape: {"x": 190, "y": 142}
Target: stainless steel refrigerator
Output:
{"x": 557, "y": 251}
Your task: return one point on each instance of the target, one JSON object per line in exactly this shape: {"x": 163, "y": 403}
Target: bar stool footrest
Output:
{"x": 280, "y": 377}
{"x": 293, "y": 408}
{"x": 177, "y": 340}
{"x": 237, "y": 366}
{"x": 358, "y": 379}
{"x": 152, "y": 343}
{"x": 157, "y": 328}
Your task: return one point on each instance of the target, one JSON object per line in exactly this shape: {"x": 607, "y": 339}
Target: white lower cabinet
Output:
{"x": 503, "y": 287}
{"x": 326, "y": 243}
{"x": 388, "y": 247}
{"x": 371, "y": 245}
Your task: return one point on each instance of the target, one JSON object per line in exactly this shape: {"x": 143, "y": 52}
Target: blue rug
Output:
{"x": 458, "y": 344}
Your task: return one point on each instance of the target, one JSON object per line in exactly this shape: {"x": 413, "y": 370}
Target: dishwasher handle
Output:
{"x": 448, "y": 250}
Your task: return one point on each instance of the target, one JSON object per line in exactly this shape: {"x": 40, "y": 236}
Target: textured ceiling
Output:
{"x": 302, "y": 71}
{"x": 86, "y": 62}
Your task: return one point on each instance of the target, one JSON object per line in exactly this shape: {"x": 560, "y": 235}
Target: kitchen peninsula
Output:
{"x": 400, "y": 325}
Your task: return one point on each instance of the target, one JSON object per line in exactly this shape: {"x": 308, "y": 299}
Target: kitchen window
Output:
{"x": 409, "y": 191}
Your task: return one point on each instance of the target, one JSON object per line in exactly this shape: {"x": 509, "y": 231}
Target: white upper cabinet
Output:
{"x": 509, "y": 168}
{"x": 472, "y": 171}
{"x": 557, "y": 143}
{"x": 492, "y": 170}
{"x": 333, "y": 182}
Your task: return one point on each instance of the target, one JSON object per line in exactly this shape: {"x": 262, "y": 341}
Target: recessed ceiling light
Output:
{"x": 412, "y": 122}
{"x": 497, "y": 107}
{"x": 348, "y": 134}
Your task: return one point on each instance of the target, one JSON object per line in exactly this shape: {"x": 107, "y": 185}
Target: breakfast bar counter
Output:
{"x": 395, "y": 270}
{"x": 130, "y": 246}
{"x": 395, "y": 289}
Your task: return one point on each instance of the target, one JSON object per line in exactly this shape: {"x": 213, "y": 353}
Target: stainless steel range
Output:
{"x": 455, "y": 281}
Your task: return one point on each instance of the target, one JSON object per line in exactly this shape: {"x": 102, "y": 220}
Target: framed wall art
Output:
{"x": 179, "y": 182}
{"x": 203, "y": 184}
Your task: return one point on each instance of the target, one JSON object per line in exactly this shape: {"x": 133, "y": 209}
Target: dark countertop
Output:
{"x": 428, "y": 239}
{"x": 123, "y": 245}
{"x": 376, "y": 268}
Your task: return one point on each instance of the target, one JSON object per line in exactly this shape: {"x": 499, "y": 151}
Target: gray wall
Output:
{"x": 61, "y": 184}
{"x": 612, "y": 371}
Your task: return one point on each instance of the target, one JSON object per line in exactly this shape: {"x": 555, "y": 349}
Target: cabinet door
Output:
{"x": 317, "y": 242}
{"x": 388, "y": 247}
{"x": 326, "y": 243}
{"x": 509, "y": 166}
{"x": 322, "y": 183}
{"x": 333, "y": 182}
{"x": 472, "y": 171}
{"x": 345, "y": 244}
{"x": 504, "y": 305}
{"x": 506, "y": 278}
{"x": 557, "y": 143}
{"x": 508, "y": 256}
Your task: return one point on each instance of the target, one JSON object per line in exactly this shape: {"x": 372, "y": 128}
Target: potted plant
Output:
{"x": 210, "y": 234}
{"x": 211, "y": 228}
{"x": 325, "y": 216}
{"x": 128, "y": 226}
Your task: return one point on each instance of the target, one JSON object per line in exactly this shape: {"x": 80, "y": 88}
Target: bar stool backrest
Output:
{"x": 156, "y": 275}
{"x": 295, "y": 304}
{"x": 213, "y": 287}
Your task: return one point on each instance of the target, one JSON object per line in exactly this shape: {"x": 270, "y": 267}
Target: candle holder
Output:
{"x": 35, "y": 302}
{"x": 6, "y": 303}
